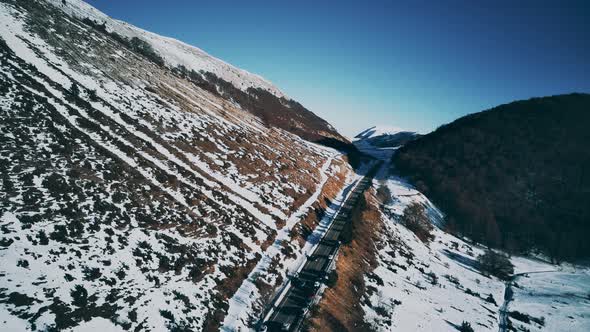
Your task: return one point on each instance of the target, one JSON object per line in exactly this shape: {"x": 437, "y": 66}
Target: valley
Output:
{"x": 436, "y": 285}
{"x": 146, "y": 185}
{"x": 290, "y": 307}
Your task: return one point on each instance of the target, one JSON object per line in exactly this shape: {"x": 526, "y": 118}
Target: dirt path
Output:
{"x": 509, "y": 296}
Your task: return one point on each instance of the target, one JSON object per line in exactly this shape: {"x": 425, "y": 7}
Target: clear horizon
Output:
{"x": 360, "y": 64}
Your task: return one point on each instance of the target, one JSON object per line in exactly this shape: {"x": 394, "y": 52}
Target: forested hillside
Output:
{"x": 516, "y": 176}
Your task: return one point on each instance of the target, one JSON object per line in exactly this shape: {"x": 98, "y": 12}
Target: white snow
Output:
{"x": 377, "y": 131}
{"x": 426, "y": 306}
{"x": 241, "y": 304}
{"x": 10, "y": 323}
{"x": 241, "y": 188}
{"x": 560, "y": 294}
{"x": 173, "y": 51}
{"x": 97, "y": 324}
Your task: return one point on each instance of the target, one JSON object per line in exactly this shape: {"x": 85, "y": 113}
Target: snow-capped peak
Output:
{"x": 376, "y": 131}
{"x": 173, "y": 51}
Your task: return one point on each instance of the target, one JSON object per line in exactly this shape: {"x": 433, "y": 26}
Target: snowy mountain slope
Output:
{"x": 376, "y": 131}
{"x": 528, "y": 195}
{"x": 383, "y": 137}
{"x": 249, "y": 91}
{"x": 130, "y": 197}
{"x": 437, "y": 286}
{"x": 173, "y": 51}
{"x": 428, "y": 287}
{"x": 407, "y": 284}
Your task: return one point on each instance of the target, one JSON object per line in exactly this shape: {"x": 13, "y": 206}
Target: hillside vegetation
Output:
{"x": 131, "y": 197}
{"x": 516, "y": 176}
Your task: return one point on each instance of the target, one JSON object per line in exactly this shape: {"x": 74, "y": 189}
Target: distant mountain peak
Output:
{"x": 378, "y": 131}
{"x": 384, "y": 137}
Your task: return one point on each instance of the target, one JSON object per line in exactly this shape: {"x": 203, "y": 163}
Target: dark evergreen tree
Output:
{"x": 514, "y": 177}
{"x": 493, "y": 263}
{"x": 74, "y": 89}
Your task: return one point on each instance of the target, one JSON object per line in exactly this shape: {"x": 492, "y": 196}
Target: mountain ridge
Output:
{"x": 251, "y": 91}
{"x": 131, "y": 194}
{"x": 383, "y": 137}
{"x": 510, "y": 175}
{"x": 376, "y": 131}
{"x": 175, "y": 51}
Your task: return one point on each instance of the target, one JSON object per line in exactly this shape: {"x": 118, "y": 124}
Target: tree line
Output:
{"x": 516, "y": 176}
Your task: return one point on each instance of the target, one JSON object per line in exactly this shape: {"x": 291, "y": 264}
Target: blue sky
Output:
{"x": 365, "y": 63}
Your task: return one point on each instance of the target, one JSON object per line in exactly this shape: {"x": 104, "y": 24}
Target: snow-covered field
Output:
{"x": 428, "y": 287}
{"x": 436, "y": 286}
{"x": 555, "y": 298}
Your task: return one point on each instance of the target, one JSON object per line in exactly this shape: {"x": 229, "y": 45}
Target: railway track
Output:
{"x": 291, "y": 307}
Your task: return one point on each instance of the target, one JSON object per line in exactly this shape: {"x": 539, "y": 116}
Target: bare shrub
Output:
{"x": 493, "y": 263}
{"x": 416, "y": 220}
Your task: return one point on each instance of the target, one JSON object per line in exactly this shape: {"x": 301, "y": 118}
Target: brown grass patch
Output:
{"x": 340, "y": 308}
{"x": 331, "y": 188}
{"x": 226, "y": 289}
